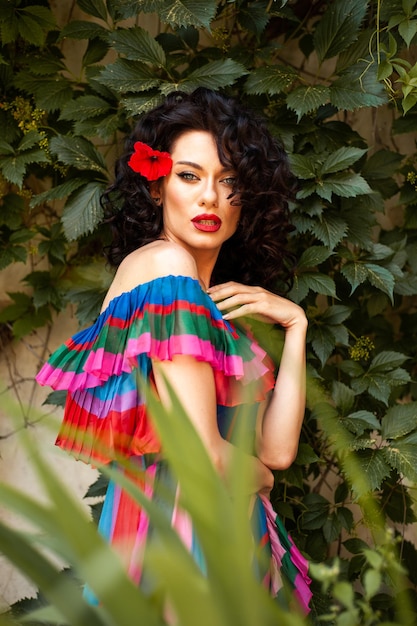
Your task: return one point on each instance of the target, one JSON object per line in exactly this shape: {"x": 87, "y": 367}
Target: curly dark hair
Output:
{"x": 257, "y": 253}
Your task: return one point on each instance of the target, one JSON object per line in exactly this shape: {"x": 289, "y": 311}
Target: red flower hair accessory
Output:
{"x": 150, "y": 163}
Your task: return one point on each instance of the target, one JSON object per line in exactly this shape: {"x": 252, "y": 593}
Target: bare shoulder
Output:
{"x": 157, "y": 259}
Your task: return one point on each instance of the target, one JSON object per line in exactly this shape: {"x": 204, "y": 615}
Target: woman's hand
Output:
{"x": 238, "y": 300}
{"x": 280, "y": 425}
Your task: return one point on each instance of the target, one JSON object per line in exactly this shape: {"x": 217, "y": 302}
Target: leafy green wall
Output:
{"x": 315, "y": 69}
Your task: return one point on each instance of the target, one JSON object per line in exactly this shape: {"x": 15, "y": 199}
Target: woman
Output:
{"x": 200, "y": 220}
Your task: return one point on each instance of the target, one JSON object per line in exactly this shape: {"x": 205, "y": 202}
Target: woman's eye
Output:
{"x": 230, "y": 180}
{"x": 188, "y": 176}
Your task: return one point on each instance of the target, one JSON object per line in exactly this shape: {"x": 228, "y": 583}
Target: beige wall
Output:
{"x": 21, "y": 408}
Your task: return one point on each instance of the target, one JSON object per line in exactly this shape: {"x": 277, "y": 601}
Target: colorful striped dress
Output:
{"x": 106, "y": 418}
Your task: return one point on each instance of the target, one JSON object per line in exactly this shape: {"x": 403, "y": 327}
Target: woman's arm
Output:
{"x": 281, "y": 423}
{"x": 193, "y": 383}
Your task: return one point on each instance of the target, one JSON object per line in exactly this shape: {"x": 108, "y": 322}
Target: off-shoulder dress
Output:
{"x": 106, "y": 414}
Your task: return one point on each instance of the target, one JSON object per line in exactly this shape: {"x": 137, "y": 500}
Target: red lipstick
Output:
{"x": 207, "y": 222}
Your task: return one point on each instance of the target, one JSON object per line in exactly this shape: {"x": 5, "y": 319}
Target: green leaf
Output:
{"x": 371, "y": 470}
{"x": 330, "y": 229}
{"x": 316, "y": 511}
{"x": 382, "y": 164}
{"x": 360, "y": 421}
{"x": 6, "y": 148}
{"x": 97, "y": 8}
{"x": 357, "y": 87}
{"x": 341, "y": 493}
{"x": 12, "y": 210}
{"x": 21, "y": 236}
{"x": 31, "y": 31}
{"x": 60, "y": 191}
{"x": 78, "y": 152}
{"x": 36, "y": 566}
{"x": 44, "y": 615}
{"x": 178, "y": 13}
{"x": 396, "y": 18}
{"x": 407, "y": 29}
{"x": 96, "y": 51}
{"x": 341, "y": 159}
{"x": 138, "y": 45}
{"x": 323, "y": 343}
{"x": 214, "y": 75}
{"x": 43, "y": 16}
{"x": 372, "y": 581}
{"x": 406, "y": 124}
{"x": 136, "y": 105}
{"x": 359, "y": 216}
{"x": 307, "y": 98}
{"x": 29, "y": 140}
{"x": 409, "y": 102}
{"x": 340, "y": 333}
{"x": 299, "y": 289}
{"x": 103, "y": 127}
{"x": 14, "y": 168}
{"x": 22, "y": 302}
{"x": 304, "y": 166}
{"x": 377, "y": 385}
{"x": 12, "y": 254}
{"x": 83, "y": 211}
{"x": 332, "y": 528}
{"x": 359, "y": 49}
{"x": 89, "y": 302}
{"x": 336, "y": 314}
{"x": 318, "y": 283}
{"x": 381, "y": 278}
{"x": 399, "y": 420}
{"x": 385, "y": 69}
{"x": 51, "y": 95}
{"x": 374, "y": 558}
{"x": 403, "y": 458}
{"x": 313, "y": 256}
{"x": 8, "y": 23}
{"x": 128, "y": 76}
{"x": 339, "y": 27}
{"x": 45, "y": 291}
{"x": 80, "y": 29}
{"x": 345, "y": 517}
{"x": 284, "y": 510}
{"x": 271, "y": 79}
{"x": 399, "y": 377}
{"x": 33, "y": 23}
{"x": 76, "y": 540}
{"x": 387, "y": 360}
{"x": 84, "y": 107}
{"x": 306, "y": 455}
{"x": 253, "y": 16}
{"x": 355, "y": 273}
{"x": 344, "y": 184}
{"x": 407, "y": 285}
{"x": 355, "y": 545}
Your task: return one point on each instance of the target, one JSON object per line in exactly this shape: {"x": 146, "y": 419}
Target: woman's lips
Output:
{"x": 207, "y": 222}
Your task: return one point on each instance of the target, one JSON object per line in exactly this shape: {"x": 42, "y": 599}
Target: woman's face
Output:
{"x": 197, "y": 213}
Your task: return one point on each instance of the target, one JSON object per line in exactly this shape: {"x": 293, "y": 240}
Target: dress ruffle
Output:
{"x": 105, "y": 414}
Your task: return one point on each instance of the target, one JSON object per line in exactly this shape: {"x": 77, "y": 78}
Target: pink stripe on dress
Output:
{"x": 135, "y": 568}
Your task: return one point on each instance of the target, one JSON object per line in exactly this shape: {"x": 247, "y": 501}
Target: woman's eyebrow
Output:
{"x": 197, "y": 166}
{"x": 190, "y": 163}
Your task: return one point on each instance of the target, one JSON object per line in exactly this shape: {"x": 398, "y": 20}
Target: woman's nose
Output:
{"x": 209, "y": 194}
